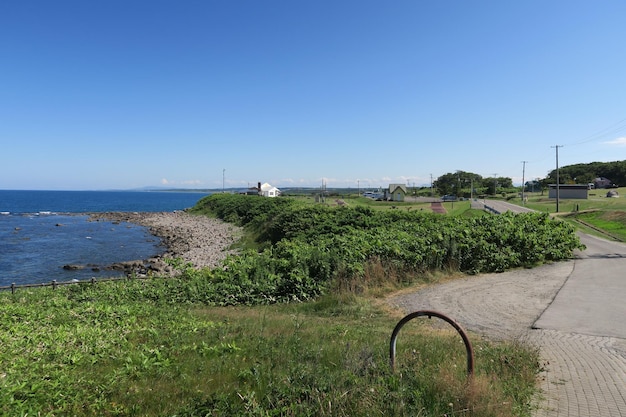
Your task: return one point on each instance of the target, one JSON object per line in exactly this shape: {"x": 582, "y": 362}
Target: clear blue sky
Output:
{"x": 124, "y": 94}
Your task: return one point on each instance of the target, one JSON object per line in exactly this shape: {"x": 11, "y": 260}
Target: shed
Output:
{"x": 396, "y": 192}
{"x": 569, "y": 191}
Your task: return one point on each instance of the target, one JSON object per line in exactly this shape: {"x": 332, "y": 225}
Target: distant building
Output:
{"x": 395, "y": 192}
{"x": 602, "y": 182}
{"x": 569, "y": 191}
{"x": 267, "y": 190}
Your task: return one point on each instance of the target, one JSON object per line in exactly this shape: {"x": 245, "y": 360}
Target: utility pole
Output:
{"x": 495, "y": 183}
{"x": 557, "y": 175}
{"x": 523, "y": 181}
{"x": 223, "y": 178}
{"x": 431, "y": 186}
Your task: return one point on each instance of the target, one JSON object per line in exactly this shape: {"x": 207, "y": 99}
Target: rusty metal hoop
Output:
{"x": 430, "y": 314}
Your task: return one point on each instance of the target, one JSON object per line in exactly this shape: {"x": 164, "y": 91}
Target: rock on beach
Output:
{"x": 199, "y": 240}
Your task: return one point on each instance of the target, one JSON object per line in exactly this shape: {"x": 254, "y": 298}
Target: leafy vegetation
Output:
{"x": 105, "y": 350}
{"x": 228, "y": 342}
{"x": 599, "y": 214}
{"x": 309, "y": 247}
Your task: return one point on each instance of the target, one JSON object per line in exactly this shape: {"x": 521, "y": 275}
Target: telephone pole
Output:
{"x": 432, "y": 194}
{"x": 557, "y": 175}
{"x": 523, "y": 181}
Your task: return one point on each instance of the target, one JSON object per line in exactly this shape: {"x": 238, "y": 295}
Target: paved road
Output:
{"x": 582, "y": 335}
{"x": 574, "y": 311}
{"x": 593, "y": 300}
{"x": 501, "y": 206}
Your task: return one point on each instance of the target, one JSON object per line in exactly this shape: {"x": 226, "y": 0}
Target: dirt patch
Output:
{"x": 437, "y": 207}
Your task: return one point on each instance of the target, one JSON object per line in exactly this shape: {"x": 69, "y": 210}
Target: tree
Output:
{"x": 458, "y": 183}
{"x": 494, "y": 184}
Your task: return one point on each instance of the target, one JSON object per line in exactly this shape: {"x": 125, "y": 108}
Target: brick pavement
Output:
{"x": 584, "y": 376}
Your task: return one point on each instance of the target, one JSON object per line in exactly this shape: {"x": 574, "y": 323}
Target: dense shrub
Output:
{"x": 307, "y": 246}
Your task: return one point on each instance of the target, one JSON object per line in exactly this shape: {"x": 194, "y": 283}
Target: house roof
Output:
{"x": 570, "y": 186}
{"x": 394, "y": 187}
{"x": 268, "y": 187}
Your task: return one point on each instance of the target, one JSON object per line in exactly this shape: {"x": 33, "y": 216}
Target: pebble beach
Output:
{"x": 199, "y": 240}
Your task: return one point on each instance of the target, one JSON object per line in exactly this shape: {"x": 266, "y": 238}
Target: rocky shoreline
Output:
{"x": 200, "y": 240}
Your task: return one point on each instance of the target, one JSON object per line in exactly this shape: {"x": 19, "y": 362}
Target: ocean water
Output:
{"x": 41, "y": 231}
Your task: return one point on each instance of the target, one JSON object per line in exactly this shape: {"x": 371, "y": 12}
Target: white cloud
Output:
{"x": 164, "y": 181}
{"x": 617, "y": 142}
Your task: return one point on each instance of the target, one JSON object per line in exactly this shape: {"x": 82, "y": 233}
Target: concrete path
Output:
{"x": 582, "y": 335}
{"x": 498, "y": 206}
{"x": 573, "y": 311}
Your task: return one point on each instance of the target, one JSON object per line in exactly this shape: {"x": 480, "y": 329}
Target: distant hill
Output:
{"x": 587, "y": 173}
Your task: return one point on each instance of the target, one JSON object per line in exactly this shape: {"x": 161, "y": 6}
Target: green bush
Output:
{"x": 308, "y": 246}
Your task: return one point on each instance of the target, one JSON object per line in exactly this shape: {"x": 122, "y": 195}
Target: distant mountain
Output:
{"x": 172, "y": 189}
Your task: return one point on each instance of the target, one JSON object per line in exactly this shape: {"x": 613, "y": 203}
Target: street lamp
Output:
{"x": 223, "y": 178}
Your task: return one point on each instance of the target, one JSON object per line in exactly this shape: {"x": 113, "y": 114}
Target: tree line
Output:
{"x": 587, "y": 173}
{"x": 468, "y": 184}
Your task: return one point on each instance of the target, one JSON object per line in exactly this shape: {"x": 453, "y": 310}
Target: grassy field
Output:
{"x": 598, "y": 214}
{"x": 454, "y": 208}
{"x": 103, "y": 350}
{"x": 126, "y": 348}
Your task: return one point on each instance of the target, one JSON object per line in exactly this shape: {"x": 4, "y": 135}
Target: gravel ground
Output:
{"x": 200, "y": 240}
{"x": 583, "y": 375}
{"x": 500, "y": 306}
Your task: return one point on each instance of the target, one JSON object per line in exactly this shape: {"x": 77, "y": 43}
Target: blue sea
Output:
{"x": 41, "y": 231}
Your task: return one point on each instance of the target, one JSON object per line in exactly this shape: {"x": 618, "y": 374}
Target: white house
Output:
{"x": 268, "y": 190}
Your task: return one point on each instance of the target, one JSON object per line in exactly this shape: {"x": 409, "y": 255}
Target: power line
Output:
{"x": 610, "y": 130}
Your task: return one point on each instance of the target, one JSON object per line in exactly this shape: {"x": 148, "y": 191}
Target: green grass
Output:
{"x": 103, "y": 350}
{"x": 461, "y": 208}
{"x": 612, "y": 223}
{"x": 597, "y": 200}
{"x": 150, "y": 348}
{"x": 599, "y": 215}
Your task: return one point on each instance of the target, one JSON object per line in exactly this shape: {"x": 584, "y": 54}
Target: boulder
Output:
{"x": 73, "y": 267}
